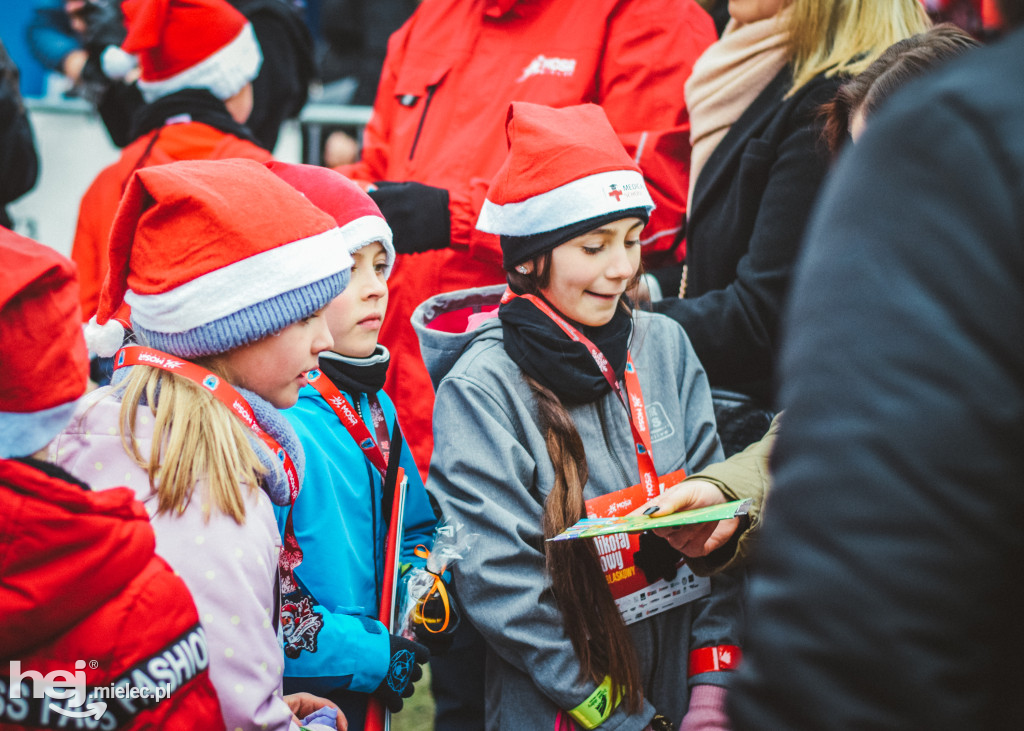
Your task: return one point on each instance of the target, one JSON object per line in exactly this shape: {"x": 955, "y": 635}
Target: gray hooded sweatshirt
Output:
{"x": 490, "y": 473}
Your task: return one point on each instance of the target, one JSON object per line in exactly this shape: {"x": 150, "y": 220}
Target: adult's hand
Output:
{"x": 691, "y": 540}
{"x": 417, "y": 214}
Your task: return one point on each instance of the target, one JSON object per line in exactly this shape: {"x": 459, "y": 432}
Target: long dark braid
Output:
{"x": 589, "y": 615}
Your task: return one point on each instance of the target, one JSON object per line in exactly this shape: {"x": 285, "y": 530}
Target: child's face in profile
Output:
{"x": 276, "y": 366}
{"x": 355, "y": 316}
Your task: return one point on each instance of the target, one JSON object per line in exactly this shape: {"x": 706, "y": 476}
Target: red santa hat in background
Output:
{"x": 214, "y": 254}
{"x": 566, "y": 173}
{"x": 353, "y": 210}
{"x": 45, "y": 364}
{"x": 190, "y": 44}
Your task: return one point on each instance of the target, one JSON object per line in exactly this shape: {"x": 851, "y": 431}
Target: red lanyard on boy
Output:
{"x": 291, "y": 553}
{"x": 633, "y": 399}
{"x": 375, "y": 451}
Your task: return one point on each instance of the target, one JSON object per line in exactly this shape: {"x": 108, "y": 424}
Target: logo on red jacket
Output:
{"x": 544, "y": 66}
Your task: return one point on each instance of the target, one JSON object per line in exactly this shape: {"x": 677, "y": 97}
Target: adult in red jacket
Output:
{"x": 197, "y": 62}
{"x": 438, "y": 135}
{"x": 81, "y": 588}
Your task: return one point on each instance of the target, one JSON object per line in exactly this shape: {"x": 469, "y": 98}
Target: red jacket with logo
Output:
{"x": 82, "y": 593}
{"x": 439, "y": 119}
{"x": 184, "y": 141}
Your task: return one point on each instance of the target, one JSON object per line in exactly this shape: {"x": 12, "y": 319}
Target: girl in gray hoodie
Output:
{"x": 554, "y": 392}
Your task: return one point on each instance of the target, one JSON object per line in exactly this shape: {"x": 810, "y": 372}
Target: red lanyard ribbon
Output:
{"x": 632, "y": 399}
{"x": 375, "y": 451}
{"x": 291, "y": 554}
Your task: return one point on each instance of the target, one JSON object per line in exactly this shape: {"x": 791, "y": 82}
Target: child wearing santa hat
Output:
{"x": 567, "y": 394}
{"x": 345, "y": 422}
{"x": 197, "y": 60}
{"x": 227, "y": 270}
{"x": 62, "y": 540}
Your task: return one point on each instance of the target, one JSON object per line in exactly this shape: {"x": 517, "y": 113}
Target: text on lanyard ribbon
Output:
{"x": 132, "y": 355}
{"x": 633, "y": 399}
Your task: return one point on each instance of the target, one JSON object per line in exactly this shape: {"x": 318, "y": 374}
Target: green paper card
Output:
{"x": 591, "y": 527}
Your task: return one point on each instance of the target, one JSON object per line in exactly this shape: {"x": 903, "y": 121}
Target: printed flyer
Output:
{"x": 591, "y": 527}
{"x": 636, "y": 598}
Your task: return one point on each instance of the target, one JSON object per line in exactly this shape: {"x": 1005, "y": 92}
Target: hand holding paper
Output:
{"x": 697, "y": 539}
{"x": 636, "y": 522}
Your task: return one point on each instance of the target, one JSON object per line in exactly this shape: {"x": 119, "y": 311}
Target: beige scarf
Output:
{"x": 727, "y": 78}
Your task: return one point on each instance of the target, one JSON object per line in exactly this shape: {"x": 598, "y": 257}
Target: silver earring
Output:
{"x": 522, "y": 269}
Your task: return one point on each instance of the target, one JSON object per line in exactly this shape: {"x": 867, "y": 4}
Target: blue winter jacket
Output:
{"x": 338, "y": 523}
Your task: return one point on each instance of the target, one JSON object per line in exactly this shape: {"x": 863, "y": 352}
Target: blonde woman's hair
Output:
{"x": 843, "y": 37}
{"x": 195, "y": 439}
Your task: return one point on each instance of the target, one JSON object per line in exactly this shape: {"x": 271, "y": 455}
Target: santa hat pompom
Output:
{"x": 117, "y": 64}
{"x": 104, "y": 340}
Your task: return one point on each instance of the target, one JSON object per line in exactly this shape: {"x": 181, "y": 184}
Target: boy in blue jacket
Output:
{"x": 334, "y": 644}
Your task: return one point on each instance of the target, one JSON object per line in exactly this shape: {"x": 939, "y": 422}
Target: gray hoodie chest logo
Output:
{"x": 661, "y": 427}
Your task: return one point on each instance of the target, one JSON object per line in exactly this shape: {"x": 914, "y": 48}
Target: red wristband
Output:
{"x": 712, "y": 659}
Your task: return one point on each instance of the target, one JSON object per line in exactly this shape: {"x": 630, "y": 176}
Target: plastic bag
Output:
{"x": 425, "y": 602}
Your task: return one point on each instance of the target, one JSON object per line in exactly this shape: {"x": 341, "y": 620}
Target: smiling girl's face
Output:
{"x": 590, "y": 273}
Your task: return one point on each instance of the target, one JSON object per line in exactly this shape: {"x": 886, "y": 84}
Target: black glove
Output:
{"x": 104, "y": 25}
{"x": 435, "y": 617}
{"x": 403, "y": 670}
{"x": 417, "y": 214}
{"x": 656, "y": 558}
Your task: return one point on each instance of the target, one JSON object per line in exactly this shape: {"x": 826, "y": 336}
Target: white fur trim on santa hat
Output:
{"x": 364, "y": 230}
{"x": 24, "y": 434}
{"x": 584, "y": 198}
{"x": 224, "y": 73}
{"x": 244, "y": 283}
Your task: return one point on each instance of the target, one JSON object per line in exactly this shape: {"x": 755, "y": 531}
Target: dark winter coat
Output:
{"x": 888, "y": 577}
{"x": 750, "y": 206}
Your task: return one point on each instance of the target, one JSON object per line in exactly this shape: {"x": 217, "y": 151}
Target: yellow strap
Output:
{"x": 438, "y": 586}
{"x": 596, "y": 709}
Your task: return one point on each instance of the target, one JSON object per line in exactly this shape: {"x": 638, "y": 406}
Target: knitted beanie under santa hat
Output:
{"x": 190, "y": 44}
{"x": 45, "y": 363}
{"x": 354, "y": 211}
{"x": 214, "y": 254}
{"x": 566, "y": 173}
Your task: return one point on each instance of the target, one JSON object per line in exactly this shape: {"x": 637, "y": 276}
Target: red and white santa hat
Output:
{"x": 566, "y": 173}
{"x": 197, "y": 44}
{"x": 354, "y": 211}
{"x": 214, "y": 254}
{"x": 45, "y": 363}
